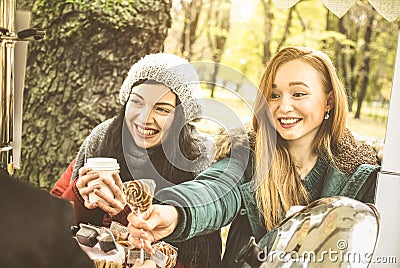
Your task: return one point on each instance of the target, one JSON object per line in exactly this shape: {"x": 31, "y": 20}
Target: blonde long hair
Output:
{"x": 278, "y": 186}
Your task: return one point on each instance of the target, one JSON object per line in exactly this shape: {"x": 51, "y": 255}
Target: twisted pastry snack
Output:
{"x": 138, "y": 195}
{"x": 119, "y": 231}
{"x": 168, "y": 251}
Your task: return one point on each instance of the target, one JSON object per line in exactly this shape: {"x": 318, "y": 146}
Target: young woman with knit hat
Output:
{"x": 151, "y": 137}
{"x": 302, "y": 152}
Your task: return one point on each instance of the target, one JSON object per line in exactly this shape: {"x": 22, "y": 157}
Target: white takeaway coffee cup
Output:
{"x": 105, "y": 167}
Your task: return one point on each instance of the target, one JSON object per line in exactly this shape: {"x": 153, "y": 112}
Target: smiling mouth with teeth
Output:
{"x": 289, "y": 121}
{"x": 146, "y": 132}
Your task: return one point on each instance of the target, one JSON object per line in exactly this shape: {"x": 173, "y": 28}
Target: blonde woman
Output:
{"x": 302, "y": 152}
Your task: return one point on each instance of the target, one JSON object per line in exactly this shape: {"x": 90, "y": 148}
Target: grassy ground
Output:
{"x": 368, "y": 126}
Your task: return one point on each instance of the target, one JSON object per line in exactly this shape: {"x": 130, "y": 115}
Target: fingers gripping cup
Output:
{"x": 105, "y": 167}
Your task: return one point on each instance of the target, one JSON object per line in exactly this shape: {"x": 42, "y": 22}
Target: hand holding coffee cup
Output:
{"x": 112, "y": 206}
{"x": 104, "y": 167}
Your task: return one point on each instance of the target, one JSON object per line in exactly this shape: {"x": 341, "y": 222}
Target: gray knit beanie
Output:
{"x": 174, "y": 72}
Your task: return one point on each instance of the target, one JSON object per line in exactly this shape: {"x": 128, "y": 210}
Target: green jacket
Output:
{"x": 221, "y": 195}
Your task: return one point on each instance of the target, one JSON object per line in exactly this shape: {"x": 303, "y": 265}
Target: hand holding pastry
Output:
{"x": 159, "y": 222}
{"x": 139, "y": 196}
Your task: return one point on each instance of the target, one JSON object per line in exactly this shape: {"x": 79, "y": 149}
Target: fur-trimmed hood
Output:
{"x": 347, "y": 155}
{"x": 238, "y": 138}
{"x": 350, "y": 153}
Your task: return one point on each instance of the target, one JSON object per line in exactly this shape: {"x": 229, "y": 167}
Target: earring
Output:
{"x": 326, "y": 117}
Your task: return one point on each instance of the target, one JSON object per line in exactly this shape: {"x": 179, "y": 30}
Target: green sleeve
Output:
{"x": 367, "y": 192}
{"x": 208, "y": 202}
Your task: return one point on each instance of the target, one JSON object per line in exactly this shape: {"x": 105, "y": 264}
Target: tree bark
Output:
{"x": 73, "y": 76}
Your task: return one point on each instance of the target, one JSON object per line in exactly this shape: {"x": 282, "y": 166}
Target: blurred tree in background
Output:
{"x": 191, "y": 13}
{"x": 73, "y": 75}
{"x": 218, "y": 17}
{"x": 362, "y": 43}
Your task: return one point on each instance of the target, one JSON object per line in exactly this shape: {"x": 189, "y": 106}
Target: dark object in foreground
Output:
{"x": 36, "y": 229}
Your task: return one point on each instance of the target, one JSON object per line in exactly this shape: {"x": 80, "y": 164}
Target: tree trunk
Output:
{"x": 268, "y": 18}
{"x": 189, "y": 36}
{"x": 367, "y": 59}
{"x": 286, "y": 33}
{"x": 346, "y": 71}
{"x": 217, "y": 34}
{"x": 73, "y": 76}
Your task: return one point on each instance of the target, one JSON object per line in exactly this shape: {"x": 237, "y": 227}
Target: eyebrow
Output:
{"x": 137, "y": 95}
{"x": 293, "y": 83}
{"x": 158, "y": 103}
{"x": 165, "y": 103}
